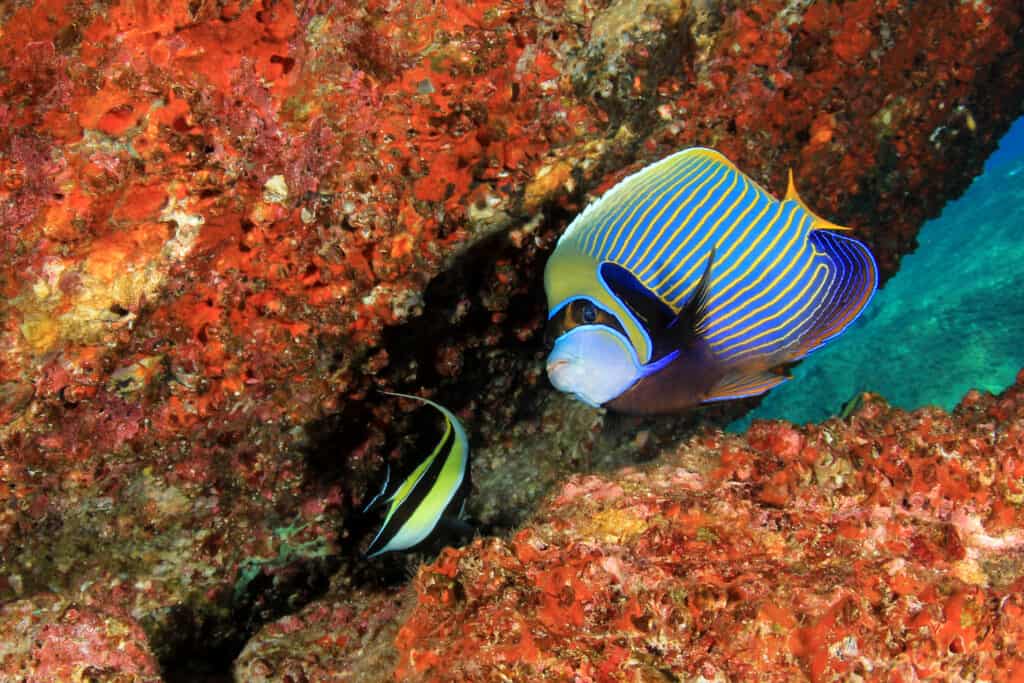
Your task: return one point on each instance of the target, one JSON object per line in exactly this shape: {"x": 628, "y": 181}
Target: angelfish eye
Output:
{"x": 589, "y": 313}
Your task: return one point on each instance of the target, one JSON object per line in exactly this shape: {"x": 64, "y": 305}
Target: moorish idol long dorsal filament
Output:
{"x": 687, "y": 283}
{"x": 433, "y": 495}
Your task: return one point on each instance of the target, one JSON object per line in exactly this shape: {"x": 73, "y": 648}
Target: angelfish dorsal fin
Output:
{"x": 819, "y": 222}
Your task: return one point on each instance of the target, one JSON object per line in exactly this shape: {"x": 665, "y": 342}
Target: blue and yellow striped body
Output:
{"x": 781, "y": 284}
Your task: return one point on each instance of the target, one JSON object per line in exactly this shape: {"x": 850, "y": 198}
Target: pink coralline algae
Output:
{"x": 884, "y": 547}
{"x": 343, "y": 637}
{"x": 49, "y": 639}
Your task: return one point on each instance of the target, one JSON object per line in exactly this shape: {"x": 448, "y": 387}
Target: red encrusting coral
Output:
{"x": 826, "y": 88}
{"x": 887, "y": 546}
{"x": 211, "y": 212}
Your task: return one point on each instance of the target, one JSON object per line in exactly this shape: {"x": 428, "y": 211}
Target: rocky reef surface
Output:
{"x": 223, "y": 223}
{"x": 888, "y": 545}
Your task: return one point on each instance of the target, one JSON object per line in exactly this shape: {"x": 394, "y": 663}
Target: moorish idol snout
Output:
{"x": 688, "y": 283}
{"x": 433, "y": 495}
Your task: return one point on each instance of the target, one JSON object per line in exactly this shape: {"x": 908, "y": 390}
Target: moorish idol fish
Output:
{"x": 688, "y": 283}
{"x": 433, "y": 495}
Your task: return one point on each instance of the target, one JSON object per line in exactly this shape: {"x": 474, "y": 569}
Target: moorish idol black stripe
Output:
{"x": 433, "y": 495}
{"x": 688, "y": 283}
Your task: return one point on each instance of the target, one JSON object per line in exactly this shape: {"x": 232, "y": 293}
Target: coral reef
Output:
{"x": 884, "y": 547}
{"x": 218, "y": 222}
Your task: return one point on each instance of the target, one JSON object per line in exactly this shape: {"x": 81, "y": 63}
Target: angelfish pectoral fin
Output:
{"x": 686, "y": 327}
{"x": 669, "y": 331}
{"x": 693, "y": 315}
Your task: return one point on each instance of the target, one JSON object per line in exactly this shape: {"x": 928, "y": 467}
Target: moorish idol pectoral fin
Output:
{"x": 819, "y": 222}
{"x": 379, "y": 498}
{"x": 739, "y": 384}
{"x": 855, "y": 281}
{"x": 457, "y": 527}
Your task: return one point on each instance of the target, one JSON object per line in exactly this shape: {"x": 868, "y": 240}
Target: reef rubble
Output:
{"x": 223, "y": 224}
{"x": 46, "y": 638}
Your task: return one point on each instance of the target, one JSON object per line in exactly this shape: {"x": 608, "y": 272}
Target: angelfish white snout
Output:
{"x": 593, "y": 363}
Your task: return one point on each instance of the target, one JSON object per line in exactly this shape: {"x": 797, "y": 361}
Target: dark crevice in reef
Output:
{"x": 480, "y": 333}
{"x": 194, "y": 648}
{"x": 478, "y": 339}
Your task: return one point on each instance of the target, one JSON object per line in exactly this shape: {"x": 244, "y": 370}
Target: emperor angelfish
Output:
{"x": 432, "y": 496}
{"x": 688, "y": 283}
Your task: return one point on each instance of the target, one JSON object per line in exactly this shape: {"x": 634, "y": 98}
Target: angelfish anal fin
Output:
{"x": 744, "y": 385}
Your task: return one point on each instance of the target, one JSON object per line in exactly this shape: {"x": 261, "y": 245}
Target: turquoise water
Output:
{"x": 952, "y": 319}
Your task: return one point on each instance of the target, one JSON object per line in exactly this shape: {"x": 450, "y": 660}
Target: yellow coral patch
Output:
{"x": 117, "y": 273}
{"x": 614, "y": 526}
